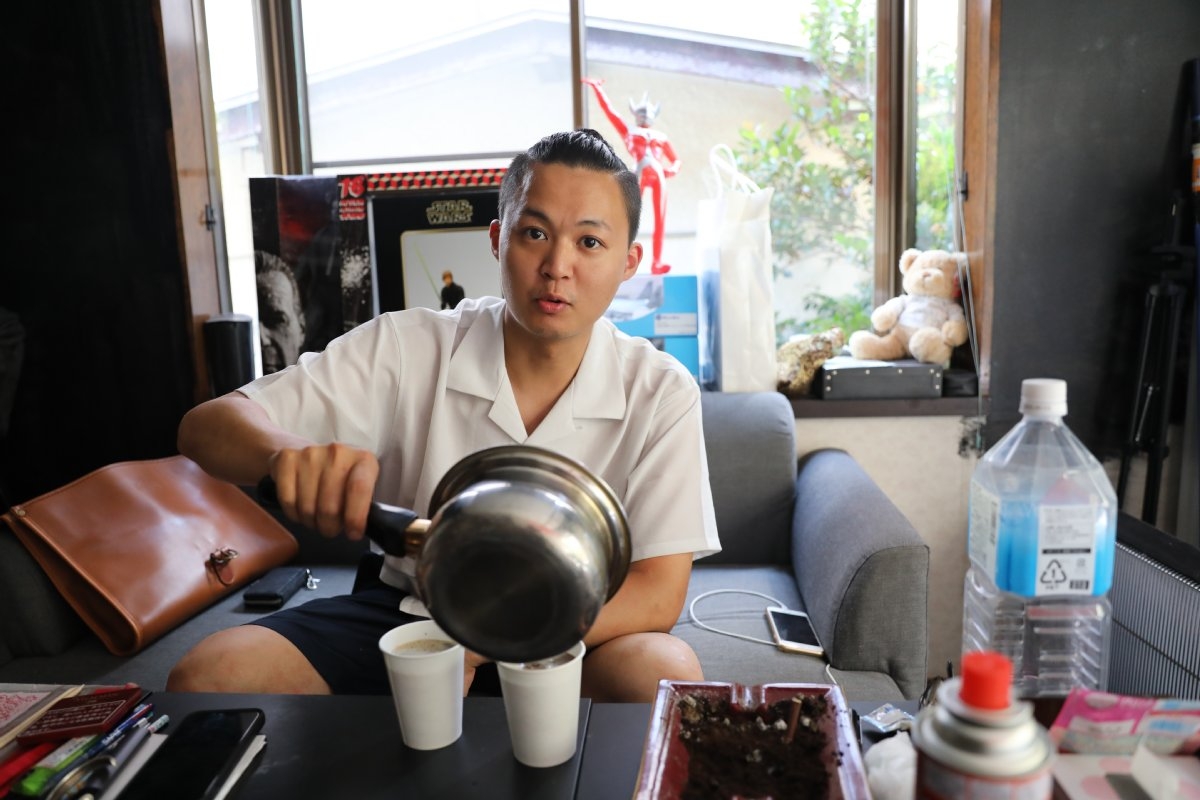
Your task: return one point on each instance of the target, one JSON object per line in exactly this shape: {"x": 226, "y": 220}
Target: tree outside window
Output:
{"x": 820, "y": 162}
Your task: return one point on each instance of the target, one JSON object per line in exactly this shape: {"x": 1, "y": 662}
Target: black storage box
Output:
{"x": 846, "y": 378}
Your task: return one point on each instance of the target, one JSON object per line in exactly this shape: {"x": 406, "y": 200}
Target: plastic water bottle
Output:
{"x": 1042, "y": 532}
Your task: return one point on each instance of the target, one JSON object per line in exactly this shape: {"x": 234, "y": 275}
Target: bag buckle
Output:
{"x": 219, "y": 560}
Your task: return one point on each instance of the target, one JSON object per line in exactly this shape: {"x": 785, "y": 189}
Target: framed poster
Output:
{"x": 298, "y": 266}
{"x": 424, "y": 224}
{"x": 428, "y": 257}
{"x": 333, "y": 252}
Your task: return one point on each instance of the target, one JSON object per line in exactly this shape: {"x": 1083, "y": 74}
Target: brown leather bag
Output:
{"x": 139, "y": 547}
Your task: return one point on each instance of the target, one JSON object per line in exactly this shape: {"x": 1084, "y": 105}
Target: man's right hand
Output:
{"x": 326, "y": 487}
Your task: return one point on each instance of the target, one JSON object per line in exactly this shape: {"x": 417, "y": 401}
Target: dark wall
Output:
{"x": 1088, "y": 150}
{"x": 91, "y": 267}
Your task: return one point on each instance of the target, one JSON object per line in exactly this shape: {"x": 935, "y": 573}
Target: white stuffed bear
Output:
{"x": 926, "y": 322}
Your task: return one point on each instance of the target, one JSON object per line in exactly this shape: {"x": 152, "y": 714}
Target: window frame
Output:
{"x": 289, "y": 149}
{"x": 978, "y": 87}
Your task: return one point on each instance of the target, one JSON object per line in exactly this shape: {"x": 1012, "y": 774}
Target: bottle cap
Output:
{"x": 1044, "y": 396}
{"x": 986, "y": 680}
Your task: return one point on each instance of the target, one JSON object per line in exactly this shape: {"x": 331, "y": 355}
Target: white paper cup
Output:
{"x": 427, "y": 684}
{"x": 541, "y": 701}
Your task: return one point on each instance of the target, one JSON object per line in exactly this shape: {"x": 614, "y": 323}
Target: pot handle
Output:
{"x": 398, "y": 531}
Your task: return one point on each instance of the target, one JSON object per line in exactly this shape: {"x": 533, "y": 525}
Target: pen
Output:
{"x": 98, "y": 784}
{"x": 131, "y": 744}
{"x": 109, "y": 739}
{"x": 42, "y": 780}
{"x": 92, "y": 777}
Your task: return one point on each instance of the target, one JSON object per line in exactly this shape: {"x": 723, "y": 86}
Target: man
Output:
{"x": 281, "y": 321}
{"x": 390, "y": 406}
{"x": 452, "y": 293}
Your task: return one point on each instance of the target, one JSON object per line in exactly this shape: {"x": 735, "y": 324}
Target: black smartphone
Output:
{"x": 793, "y": 631}
{"x": 275, "y": 588}
{"x": 197, "y": 757}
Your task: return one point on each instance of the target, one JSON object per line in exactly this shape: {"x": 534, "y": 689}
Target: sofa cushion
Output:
{"x": 734, "y": 610}
{"x": 88, "y": 662}
{"x": 750, "y": 440}
{"x": 46, "y": 624}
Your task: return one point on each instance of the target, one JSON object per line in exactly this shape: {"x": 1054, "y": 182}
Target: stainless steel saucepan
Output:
{"x": 523, "y": 550}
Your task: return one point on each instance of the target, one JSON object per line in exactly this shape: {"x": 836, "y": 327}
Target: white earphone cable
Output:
{"x": 707, "y": 627}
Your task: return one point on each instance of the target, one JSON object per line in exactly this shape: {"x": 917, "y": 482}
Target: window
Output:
{"x": 791, "y": 88}
{"x": 391, "y": 82}
{"x": 789, "y": 91}
{"x": 935, "y": 118}
{"x": 242, "y": 150}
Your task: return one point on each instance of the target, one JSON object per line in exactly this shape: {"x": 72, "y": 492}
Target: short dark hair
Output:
{"x": 581, "y": 148}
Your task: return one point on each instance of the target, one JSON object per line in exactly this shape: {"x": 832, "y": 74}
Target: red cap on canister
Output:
{"x": 986, "y": 679}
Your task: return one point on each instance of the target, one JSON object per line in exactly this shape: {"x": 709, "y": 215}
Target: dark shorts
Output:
{"x": 340, "y": 635}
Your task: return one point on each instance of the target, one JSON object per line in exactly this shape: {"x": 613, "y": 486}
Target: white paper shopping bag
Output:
{"x": 733, "y": 241}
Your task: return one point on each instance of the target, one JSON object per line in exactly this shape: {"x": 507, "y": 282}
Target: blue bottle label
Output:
{"x": 1038, "y": 549}
{"x": 1066, "y": 558}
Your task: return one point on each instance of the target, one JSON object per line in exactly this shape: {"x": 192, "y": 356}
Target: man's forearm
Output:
{"x": 650, "y": 599}
{"x": 232, "y": 438}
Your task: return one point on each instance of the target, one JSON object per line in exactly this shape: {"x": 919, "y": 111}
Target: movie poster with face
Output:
{"x": 297, "y": 266}
{"x": 331, "y": 252}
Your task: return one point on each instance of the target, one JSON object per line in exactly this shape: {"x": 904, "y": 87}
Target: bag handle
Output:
{"x": 724, "y": 166}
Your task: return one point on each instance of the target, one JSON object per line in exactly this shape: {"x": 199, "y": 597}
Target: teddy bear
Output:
{"x": 801, "y": 356}
{"x": 926, "y": 322}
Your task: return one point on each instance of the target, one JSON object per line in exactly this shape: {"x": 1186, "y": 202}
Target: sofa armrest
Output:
{"x": 862, "y": 570}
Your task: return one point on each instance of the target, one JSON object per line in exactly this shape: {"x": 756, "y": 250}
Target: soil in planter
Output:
{"x": 734, "y": 752}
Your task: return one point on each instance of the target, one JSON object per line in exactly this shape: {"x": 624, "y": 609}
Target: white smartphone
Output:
{"x": 793, "y": 631}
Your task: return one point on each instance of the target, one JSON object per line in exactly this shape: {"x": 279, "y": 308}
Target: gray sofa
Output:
{"x": 817, "y": 535}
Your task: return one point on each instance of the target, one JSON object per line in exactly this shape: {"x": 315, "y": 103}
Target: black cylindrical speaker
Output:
{"x": 229, "y": 343}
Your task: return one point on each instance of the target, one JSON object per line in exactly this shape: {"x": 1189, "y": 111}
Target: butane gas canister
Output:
{"x": 978, "y": 740}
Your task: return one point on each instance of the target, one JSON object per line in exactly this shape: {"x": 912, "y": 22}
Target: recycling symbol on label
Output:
{"x": 1053, "y": 575}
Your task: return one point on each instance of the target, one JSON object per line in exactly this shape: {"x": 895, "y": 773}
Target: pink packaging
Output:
{"x": 1100, "y": 723}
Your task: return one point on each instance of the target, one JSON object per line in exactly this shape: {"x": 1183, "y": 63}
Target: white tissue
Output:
{"x": 1154, "y": 774}
{"x": 892, "y": 768}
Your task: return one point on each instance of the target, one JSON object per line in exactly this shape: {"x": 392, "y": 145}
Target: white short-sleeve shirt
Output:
{"x": 423, "y": 389}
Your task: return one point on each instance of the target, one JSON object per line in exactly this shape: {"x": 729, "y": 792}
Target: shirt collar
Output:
{"x": 477, "y": 364}
{"x": 601, "y": 370}
{"x": 477, "y": 368}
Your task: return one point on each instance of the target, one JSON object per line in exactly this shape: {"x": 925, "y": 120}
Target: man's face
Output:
{"x": 563, "y": 249}
{"x": 280, "y": 321}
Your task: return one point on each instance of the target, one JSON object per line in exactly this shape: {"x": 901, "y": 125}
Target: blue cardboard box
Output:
{"x": 663, "y": 309}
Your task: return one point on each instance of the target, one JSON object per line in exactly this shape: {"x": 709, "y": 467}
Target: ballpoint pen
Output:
{"x": 120, "y": 757}
{"x": 43, "y": 779}
{"x": 90, "y": 778}
{"x": 127, "y": 748}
